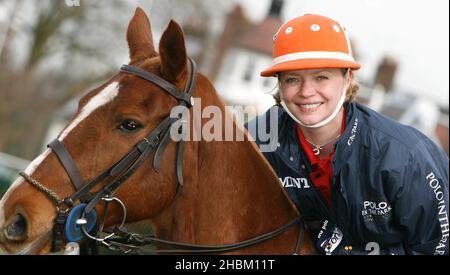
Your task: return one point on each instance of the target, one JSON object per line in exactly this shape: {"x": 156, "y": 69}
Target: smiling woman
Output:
{"x": 368, "y": 177}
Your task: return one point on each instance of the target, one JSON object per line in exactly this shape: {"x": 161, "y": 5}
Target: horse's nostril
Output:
{"x": 17, "y": 229}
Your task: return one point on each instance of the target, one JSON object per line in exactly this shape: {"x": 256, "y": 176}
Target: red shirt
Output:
{"x": 322, "y": 169}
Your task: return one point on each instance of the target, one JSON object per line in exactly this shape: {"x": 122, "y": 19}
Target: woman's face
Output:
{"x": 312, "y": 95}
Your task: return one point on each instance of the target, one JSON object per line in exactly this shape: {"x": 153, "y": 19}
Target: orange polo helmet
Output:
{"x": 311, "y": 42}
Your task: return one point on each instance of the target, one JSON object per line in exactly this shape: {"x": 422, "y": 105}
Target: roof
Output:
{"x": 259, "y": 37}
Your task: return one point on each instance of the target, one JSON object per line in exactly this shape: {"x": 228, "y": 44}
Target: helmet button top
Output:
{"x": 336, "y": 28}
{"x": 289, "y": 30}
{"x": 315, "y": 27}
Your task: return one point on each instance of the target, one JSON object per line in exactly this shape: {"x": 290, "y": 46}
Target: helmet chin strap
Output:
{"x": 323, "y": 122}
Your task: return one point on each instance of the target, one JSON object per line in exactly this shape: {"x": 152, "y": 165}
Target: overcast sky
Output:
{"x": 415, "y": 32}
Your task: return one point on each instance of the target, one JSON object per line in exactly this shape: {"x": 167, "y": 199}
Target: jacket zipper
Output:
{"x": 319, "y": 195}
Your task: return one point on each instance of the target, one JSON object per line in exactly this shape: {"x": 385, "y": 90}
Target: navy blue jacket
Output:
{"x": 389, "y": 183}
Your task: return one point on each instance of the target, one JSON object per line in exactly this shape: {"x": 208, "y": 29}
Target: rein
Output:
{"x": 128, "y": 242}
{"x": 82, "y": 218}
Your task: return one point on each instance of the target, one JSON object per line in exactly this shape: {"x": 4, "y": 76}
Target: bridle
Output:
{"x": 82, "y": 218}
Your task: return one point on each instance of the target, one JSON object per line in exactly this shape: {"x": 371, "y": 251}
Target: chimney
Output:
{"x": 386, "y": 73}
{"x": 275, "y": 8}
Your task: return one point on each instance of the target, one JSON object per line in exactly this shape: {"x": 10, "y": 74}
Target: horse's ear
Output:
{"x": 173, "y": 54}
{"x": 139, "y": 37}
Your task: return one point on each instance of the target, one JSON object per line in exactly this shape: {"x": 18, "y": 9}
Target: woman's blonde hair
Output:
{"x": 352, "y": 91}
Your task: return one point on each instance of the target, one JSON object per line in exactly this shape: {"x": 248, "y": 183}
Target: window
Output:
{"x": 249, "y": 70}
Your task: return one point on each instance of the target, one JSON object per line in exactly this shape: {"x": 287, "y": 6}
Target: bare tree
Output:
{"x": 53, "y": 52}
{"x": 59, "y": 46}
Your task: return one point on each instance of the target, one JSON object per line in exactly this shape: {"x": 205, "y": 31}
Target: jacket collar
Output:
{"x": 351, "y": 138}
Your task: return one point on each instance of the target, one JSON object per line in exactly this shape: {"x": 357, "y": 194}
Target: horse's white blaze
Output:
{"x": 2, "y": 214}
{"x": 102, "y": 98}
{"x": 36, "y": 162}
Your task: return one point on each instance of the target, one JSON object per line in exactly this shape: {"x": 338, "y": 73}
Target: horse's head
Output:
{"x": 111, "y": 121}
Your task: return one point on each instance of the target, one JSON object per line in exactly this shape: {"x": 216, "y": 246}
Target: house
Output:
{"x": 245, "y": 49}
{"x": 406, "y": 107}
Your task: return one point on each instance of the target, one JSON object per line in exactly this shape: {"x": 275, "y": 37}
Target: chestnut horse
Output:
{"x": 201, "y": 193}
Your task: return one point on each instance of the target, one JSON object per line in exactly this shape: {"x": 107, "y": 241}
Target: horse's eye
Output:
{"x": 130, "y": 126}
